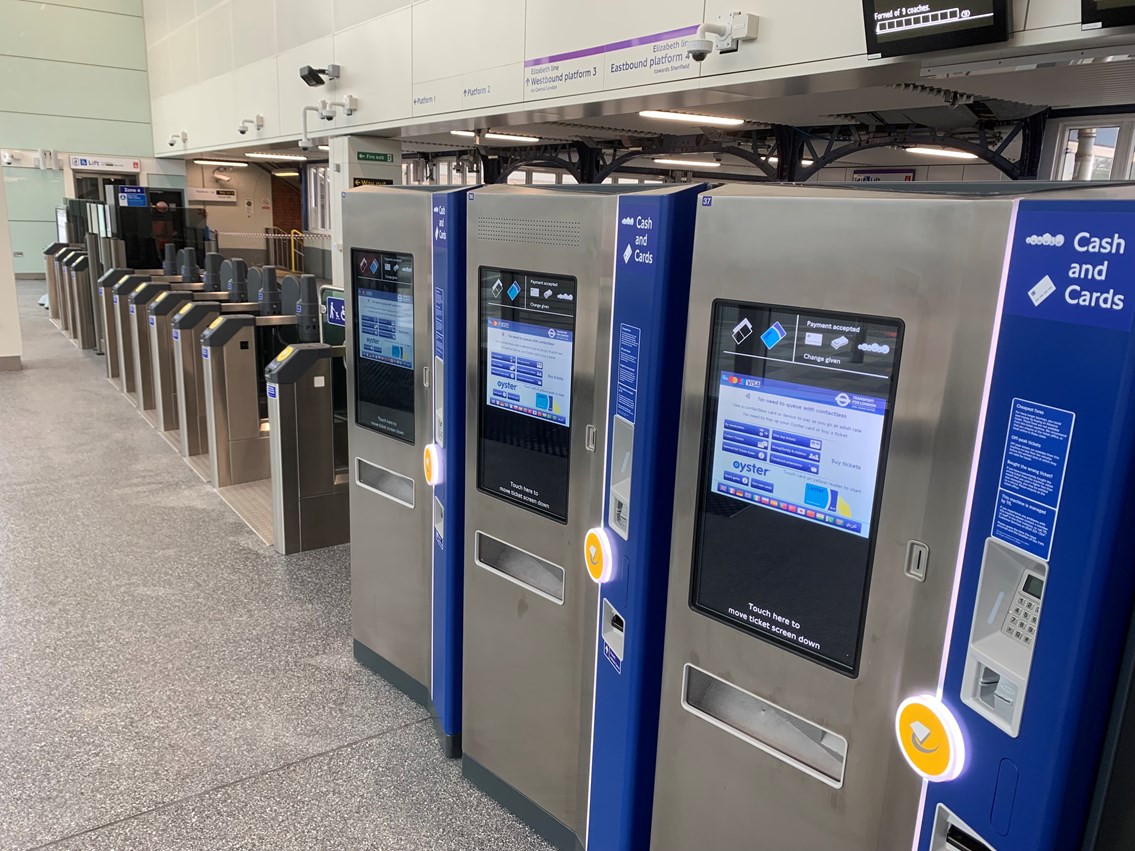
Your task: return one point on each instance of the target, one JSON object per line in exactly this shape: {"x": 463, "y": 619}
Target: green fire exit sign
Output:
{"x": 371, "y": 157}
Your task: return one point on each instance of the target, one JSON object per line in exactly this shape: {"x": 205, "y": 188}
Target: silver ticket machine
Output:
{"x": 540, "y": 266}
{"x": 390, "y": 416}
{"x": 875, "y": 430}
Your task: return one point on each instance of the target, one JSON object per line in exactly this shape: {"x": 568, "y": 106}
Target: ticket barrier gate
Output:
{"x": 899, "y": 572}
{"x": 406, "y": 369}
{"x": 148, "y": 361}
{"x": 235, "y": 351}
{"x": 189, "y": 324}
{"x": 538, "y": 332}
{"x": 50, "y": 257}
{"x": 161, "y": 312}
{"x": 106, "y": 325}
{"x": 307, "y": 449}
{"x": 82, "y": 302}
{"x": 63, "y": 262}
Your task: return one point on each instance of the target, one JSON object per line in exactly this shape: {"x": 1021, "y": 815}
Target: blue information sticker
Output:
{"x": 630, "y": 345}
{"x": 272, "y": 391}
{"x": 1032, "y": 476}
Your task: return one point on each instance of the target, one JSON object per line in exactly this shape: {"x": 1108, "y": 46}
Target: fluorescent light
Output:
{"x": 774, "y": 161}
{"x": 688, "y": 163}
{"x": 291, "y": 158}
{"x": 220, "y": 162}
{"x": 285, "y": 174}
{"x": 502, "y": 137}
{"x": 692, "y": 118}
{"x": 324, "y": 147}
{"x": 942, "y": 152}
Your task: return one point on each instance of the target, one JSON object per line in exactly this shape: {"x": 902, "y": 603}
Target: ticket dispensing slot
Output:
{"x": 523, "y": 568}
{"x": 439, "y": 402}
{"x": 1003, "y": 636}
{"x": 385, "y": 482}
{"x": 622, "y": 457}
{"x": 788, "y": 737}
{"x": 953, "y": 834}
{"x": 439, "y": 519}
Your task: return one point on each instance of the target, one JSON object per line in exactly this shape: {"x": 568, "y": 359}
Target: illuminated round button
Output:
{"x": 597, "y": 555}
{"x": 930, "y": 738}
{"x": 431, "y": 460}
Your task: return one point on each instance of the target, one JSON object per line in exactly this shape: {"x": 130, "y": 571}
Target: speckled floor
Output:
{"x": 166, "y": 681}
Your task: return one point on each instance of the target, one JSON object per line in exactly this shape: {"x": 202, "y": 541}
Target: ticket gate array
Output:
{"x": 291, "y": 490}
{"x": 407, "y": 448}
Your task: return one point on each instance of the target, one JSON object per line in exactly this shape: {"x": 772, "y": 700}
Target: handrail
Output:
{"x": 296, "y": 237}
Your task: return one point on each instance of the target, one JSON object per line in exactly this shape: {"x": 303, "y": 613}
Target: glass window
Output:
{"x": 1089, "y": 153}
{"x": 319, "y": 198}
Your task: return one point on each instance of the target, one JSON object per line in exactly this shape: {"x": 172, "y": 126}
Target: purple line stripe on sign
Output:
{"x": 612, "y": 47}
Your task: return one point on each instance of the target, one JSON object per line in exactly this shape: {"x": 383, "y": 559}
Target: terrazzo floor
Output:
{"x": 166, "y": 680}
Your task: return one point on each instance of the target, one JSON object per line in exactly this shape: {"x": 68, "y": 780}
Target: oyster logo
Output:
{"x": 1046, "y": 239}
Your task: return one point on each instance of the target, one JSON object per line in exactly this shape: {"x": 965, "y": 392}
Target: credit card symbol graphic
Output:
{"x": 1043, "y": 289}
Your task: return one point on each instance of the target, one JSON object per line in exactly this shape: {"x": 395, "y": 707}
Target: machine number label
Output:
{"x": 176, "y": 334}
{"x": 272, "y": 391}
{"x": 1032, "y": 476}
{"x": 204, "y": 353}
{"x": 153, "y": 322}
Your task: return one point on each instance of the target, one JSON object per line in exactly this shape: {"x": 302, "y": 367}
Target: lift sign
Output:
{"x": 1073, "y": 267}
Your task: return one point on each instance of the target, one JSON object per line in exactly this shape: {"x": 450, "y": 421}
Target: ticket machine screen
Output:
{"x": 383, "y": 288}
{"x": 798, "y": 412}
{"x": 527, "y": 346}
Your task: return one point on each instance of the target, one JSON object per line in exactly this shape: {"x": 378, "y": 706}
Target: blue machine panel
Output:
{"x": 449, "y": 354}
{"x": 651, "y": 295}
{"x": 1053, "y": 480}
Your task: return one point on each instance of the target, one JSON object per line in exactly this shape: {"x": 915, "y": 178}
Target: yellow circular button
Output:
{"x": 431, "y": 461}
{"x": 597, "y": 555}
{"x": 930, "y": 738}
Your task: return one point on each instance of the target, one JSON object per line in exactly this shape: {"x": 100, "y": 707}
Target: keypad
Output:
{"x": 1023, "y": 617}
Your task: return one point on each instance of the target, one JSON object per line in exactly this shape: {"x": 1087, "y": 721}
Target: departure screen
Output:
{"x": 896, "y": 30}
{"x": 798, "y": 412}
{"x": 383, "y": 290}
{"x": 527, "y": 345}
{"x": 1107, "y": 13}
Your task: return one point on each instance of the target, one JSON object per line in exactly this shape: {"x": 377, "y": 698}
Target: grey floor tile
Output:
{"x": 151, "y": 647}
{"x": 390, "y": 793}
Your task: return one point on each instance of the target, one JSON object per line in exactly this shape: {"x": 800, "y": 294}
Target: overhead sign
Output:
{"x": 132, "y": 196}
{"x": 882, "y": 175}
{"x": 370, "y": 181}
{"x": 220, "y": 196}
{"x": 897, "y": 30}
{"x": 86, "y": 162}
{"x": 375, "y": 157}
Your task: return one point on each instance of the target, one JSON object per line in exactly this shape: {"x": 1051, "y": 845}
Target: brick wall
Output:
{"x": 286, "y": 205}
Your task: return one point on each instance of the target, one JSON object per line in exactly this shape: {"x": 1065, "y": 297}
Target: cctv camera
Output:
{"x": 242, "y": 130}
{"x": 172, "y": 141}
{"x": 699, "y": 48}
{"x": 311, "y": 76}
{"x": 306, "y": 144}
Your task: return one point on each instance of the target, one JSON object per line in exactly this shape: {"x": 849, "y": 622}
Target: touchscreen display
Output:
{"x": 527, "y": 346}
{"x": 798, "y": 411}
{"x": 894, "y": 29}
{"x": 383, "y": 288}
{"x": 1107, "y": 13}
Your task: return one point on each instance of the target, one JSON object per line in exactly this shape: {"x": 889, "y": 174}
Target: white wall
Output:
{"x": 11, "y": 346}
{"x": 72, "y": 78}
{"x": 248, "y": 215}
{"x": 215, "y": 62}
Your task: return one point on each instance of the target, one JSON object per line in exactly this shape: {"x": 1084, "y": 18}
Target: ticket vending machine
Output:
{"x": 406, "y": 370}
{"x": 899, "y": 577}
{"x": 538, "y": 338}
